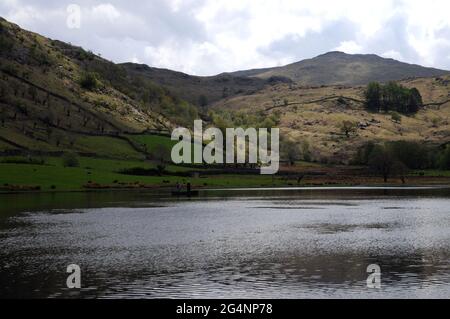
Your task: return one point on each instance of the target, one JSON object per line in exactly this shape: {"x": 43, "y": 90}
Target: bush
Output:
{"x": 89, "y": 81}
{"x": 70, "y": 160}
{"x": 6, "y": 44}
{"x": 397, "y": 118}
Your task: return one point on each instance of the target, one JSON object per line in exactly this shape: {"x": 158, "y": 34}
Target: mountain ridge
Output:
{"x": 331, "y": 68}
{"x": 339, "y": 68}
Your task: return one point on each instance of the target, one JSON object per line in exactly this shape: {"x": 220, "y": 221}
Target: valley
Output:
{"x": 58, "y": 99}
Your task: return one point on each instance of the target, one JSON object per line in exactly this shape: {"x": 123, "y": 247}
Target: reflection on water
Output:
{"x": 313, "y": 243}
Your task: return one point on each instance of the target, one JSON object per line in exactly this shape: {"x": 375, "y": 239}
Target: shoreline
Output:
{"x": 325, "y": 186}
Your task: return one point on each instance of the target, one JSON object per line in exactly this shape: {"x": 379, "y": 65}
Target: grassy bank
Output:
{"x": 53, "y": 176}
{"x": 104, "y": 174}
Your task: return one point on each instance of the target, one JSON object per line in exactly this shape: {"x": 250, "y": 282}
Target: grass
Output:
{"x": 306, "y": 118}
{"x": 151, "y": 141}
{"x": 431, "y": 173}
{"x": 105, "y": 146}
{"x": 5, "y": 146}
{"x": 19, "y": 138}
{"x": 54, "y": 177}
{"x": 64, "y": 178}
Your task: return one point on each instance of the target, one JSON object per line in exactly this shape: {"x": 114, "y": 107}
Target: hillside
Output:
{"x": 55, "y": 96}
{"x": 313, "y": 116}
{"x": 338, "y": 68}
{"x": 199, "y": 90}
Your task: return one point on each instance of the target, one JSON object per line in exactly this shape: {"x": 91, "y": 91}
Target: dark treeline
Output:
{"x": 392, "y": 97}
{"x": 395, "y": 159}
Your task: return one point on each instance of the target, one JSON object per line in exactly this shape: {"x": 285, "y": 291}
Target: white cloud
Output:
{"x": 393, "y": 55}
{"x": 350, "y": 47}
{"x": 212, "y": 36}
{"x": 106, "y": 10}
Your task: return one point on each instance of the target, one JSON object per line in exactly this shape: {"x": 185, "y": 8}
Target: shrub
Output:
{"x": 348, "y": 128}
{"x": 89, "y": 81}
{"x": 397, "y": 118}
{"x": 70, "y": 160}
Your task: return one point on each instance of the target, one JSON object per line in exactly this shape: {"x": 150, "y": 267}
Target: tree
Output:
{"x": 3, "y": 116}
{"x": 400, "y": 170}
{"x": 161, "y": 155}
{"x": 32, "y": 92}
{"x": 381, "y": 162}
{"x": 58, "y": 137}
{"x": 70, "y": 159}
{"x": 202, "y": 101}
{"x": 444, "y": 159}
{"x": 392, "y": 97}
{"x": 363, "y": 154}
{"x": 49, "y": 119}
{"x": 291, "y": 150}
{"x": 373, "y": 97}
{"x": 72, "y": 140}
{"x": 413, "y": 154}
{"x": 349, "y": 128}
{"x": 306, "y": 151}
{"x": 415, "y": 101}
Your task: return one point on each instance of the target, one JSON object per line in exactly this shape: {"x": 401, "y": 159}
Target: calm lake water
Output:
{"x": 297, "y": 243}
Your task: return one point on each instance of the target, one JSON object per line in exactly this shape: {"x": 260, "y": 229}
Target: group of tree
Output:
{"x": 395, "y": 159}
{"x": 392, "y": 97}
{"x": 293, "y": 151}
{"x": 223, "y": 119}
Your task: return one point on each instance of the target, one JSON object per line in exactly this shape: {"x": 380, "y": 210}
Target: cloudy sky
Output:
{"x": 206, "y": 37}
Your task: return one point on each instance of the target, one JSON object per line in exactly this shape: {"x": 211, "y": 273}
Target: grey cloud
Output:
{"x": 155, "y": 24}
{"x": 393, "y": 36}
{"x": 313, "y": 43}
{"x": 149, "y": 23}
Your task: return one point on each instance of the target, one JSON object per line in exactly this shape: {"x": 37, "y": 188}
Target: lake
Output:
{"x": 241, "y": 243}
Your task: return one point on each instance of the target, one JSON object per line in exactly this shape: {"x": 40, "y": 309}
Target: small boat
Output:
{"x": 185, "y": 193}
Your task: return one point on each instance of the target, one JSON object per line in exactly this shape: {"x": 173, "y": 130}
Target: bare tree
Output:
{"x": 349, "y": 128}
